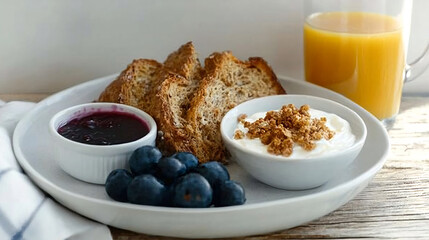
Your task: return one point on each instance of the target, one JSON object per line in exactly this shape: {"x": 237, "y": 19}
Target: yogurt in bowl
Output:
{"x": 300, "y": 168}
{"x": 341, "y": 139}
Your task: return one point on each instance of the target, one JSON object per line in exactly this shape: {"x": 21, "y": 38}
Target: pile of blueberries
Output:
{"x": 174, "y": 181}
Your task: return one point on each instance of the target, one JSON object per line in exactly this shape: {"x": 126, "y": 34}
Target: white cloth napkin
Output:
{"x": 25, "y": 211}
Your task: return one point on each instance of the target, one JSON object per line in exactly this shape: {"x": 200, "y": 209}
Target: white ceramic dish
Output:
{"x": 279, "y": 209}
{"x": 93, "y": 163}
{"x": 292, "y": 173}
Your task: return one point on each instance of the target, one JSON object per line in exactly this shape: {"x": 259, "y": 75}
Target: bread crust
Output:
{"x": 184, "y": 62}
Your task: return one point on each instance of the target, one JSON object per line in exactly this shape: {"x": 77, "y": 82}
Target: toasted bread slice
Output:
{"x": 133, "y": 84}
{"x": 184, "y": 62}
{"x": 173, "y": 96}
{"x": 187, "y": 101}
{"x": 228, "y": 82}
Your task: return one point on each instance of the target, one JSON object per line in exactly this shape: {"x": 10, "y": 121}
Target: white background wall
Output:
{"x": 49, "y": 45}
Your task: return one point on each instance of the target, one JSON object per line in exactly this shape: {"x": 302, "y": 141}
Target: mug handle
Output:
{"x": 417, "y": 67}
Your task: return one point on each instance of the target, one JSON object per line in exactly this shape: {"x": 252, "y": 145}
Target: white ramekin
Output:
{"x": 93, "y": 163}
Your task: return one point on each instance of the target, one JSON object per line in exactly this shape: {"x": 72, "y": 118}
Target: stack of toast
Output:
{"x": 187, "y": 100}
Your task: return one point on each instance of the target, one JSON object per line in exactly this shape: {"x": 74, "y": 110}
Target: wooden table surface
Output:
{"x": 395, "y": 205}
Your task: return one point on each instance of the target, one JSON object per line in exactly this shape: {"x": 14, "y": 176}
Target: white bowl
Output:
{"x": 93, "y": 163}
{"x": 292, "y": 173}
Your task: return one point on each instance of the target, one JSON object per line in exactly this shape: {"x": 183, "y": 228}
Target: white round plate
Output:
{"x": 267, "y": 209}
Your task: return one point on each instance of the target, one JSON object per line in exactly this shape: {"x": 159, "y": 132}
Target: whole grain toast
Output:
{"x": 173, "y": 96}
{"x": 188, "y": 101}
{"x": 184, "y": 62}
{"x": 133, "y": 84}
{"x": 227, "y": 82}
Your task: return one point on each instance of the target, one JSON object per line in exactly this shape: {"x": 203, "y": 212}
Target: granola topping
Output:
{"x": 294, "y": 129}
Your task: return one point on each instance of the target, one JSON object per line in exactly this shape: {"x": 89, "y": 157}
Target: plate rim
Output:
{"x": 44, "y": 183}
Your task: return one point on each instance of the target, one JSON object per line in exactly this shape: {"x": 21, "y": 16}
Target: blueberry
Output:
{"x": 188, "y": 159}
{"x": 146, "y": 190}
{"x": 169, "y": 196}
{"x": 214, "y": 172}
{"x": 170, "y": 168}
{"x": 192, "y": 191}
{"x": 117, "y": 183}
{"x": 229, "y": 193}
{"x": 144, "y": 160}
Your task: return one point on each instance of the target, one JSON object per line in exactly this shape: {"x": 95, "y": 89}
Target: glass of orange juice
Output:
{"x": 358, "y": 49}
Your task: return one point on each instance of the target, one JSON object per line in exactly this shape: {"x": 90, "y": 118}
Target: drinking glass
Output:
{"x": 359, "y": 48}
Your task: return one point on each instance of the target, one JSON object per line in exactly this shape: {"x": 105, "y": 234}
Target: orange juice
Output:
{"x": 360, "y": 55}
